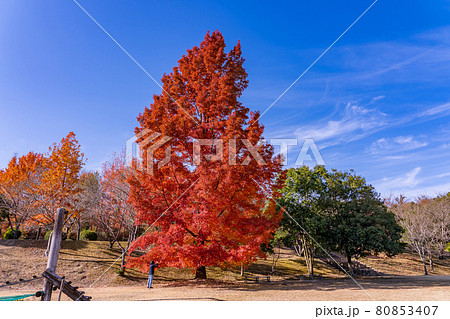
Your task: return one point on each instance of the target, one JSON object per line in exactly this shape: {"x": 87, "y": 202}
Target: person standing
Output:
{"x": 151, "y": 271}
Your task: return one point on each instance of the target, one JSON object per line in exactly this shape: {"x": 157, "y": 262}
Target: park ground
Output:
{"x": 83, "y": 263}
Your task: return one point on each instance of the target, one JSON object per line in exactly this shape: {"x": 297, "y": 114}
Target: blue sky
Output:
{"x": 377, "y": 102}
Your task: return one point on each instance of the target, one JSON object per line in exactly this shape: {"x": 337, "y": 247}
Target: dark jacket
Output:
{"x": 152, "y": 269}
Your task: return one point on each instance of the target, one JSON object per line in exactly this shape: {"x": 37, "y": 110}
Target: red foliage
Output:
{"x": 212, "y": 213}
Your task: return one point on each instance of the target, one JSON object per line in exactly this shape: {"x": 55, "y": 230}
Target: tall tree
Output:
{"x": 440, "y": 214}
{"x": 417, "y": 225}
{"x": 426, "y": 223}
{"x": 87, "y": 203}
{"x": 303, "y": 200}
{"x": 208, "y": 210}
{"x": 360, "y": 222}
{"x": 60, "y": 181}
{"x": 20, "y": 184}
{"x": 117, "y": 218}
{"x": 339, "y": 211}
{"x": 4, "y": 211}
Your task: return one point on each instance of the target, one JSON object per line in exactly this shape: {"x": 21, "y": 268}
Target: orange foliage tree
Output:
{"x": 60, "y": 180}
{"x": 19, "y": 185}
{"x": 33, "y": 186}
{"x": 203, "y": 211}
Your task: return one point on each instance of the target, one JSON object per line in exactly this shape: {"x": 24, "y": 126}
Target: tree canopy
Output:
{"x": 338, "y": 211}
{"x": 205, "y": 211}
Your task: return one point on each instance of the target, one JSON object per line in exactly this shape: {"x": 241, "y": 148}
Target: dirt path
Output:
{"x": 84, "y": 262}
{"x": 381, "y": 289}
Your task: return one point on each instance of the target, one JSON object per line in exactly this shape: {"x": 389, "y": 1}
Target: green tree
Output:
{"x": 339, "y": 211}
{"x": 359, "y": 224}
{"x": 281, "y": 238}
{"x": 303, "y": 200}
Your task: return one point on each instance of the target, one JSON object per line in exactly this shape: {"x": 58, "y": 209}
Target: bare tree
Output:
{"x": 86, "y": 203}
{"x": 116, "y": 216}
{"x": 427, "y": 225}
{"x": 440, "y": 215}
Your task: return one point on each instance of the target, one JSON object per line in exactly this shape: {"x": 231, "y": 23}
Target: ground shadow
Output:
{"x": 332, "y": 284}
{"x": 181, "y": 299}
{"x": 74, "y": 244}
{"x": 64, "y": 253}
{"x": 42, "y": 243}
{"x": 24, "y": 243}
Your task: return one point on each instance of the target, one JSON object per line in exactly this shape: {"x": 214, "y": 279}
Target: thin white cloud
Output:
{"x": 443, "y": 175}
{"x": 380, "y": 97}
{"x": 429, "y": 191}
{"x": 402, "y": 62}
{"x": 396, "y": 144}
{"x": 421, "y": 58}
{"x": 443, "y": 108}
{"x": 406, "y": 181}
{"x": 408, "y": 61}
{"x": 355, "y": 123}
{"x": 395, "y": 157}
{"x": 407, "y": 185}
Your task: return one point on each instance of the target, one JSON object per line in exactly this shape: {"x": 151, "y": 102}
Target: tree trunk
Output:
{"x": 298, "y": 248}
{"x": 308, "y": 252}
{"x": 9, "y": 221}
{"x": 275, "y": 258}
{"x": 431, "y": 264}
{"x": 78, "y": 229}
{"x": 349, "y": 264}
{"x": 68, "y": 228}
{"x": 124, "y": 251}
{"x": 200, "y": 273}
{"x": 122, "y": 264}
{"x": 242, "y": 270}
{"x": 420, "y": 248}
{"x": 425, "y": 267}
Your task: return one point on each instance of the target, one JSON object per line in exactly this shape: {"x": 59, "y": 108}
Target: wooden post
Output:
{"x": 61, "y": 289}
{"x": 54, "y": 252}
{"x": 67, "y": 289}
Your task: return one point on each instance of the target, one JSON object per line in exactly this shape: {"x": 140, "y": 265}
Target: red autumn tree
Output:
{"x": 212, "y": 209}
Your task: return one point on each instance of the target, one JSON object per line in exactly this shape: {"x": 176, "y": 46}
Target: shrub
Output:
{"x": 47, "y": 234}
{"x": 28, "y": 234}
{"x": 72, "y": 236}
{"x": 9, "y": 234}
{"x": 88, "y": 235}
